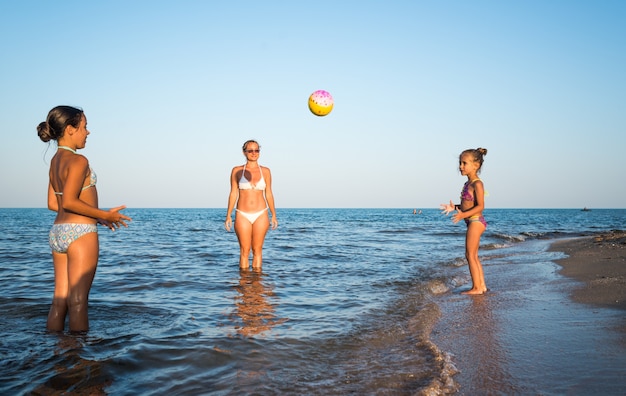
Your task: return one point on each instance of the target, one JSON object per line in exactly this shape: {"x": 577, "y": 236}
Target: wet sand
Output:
{"x": 553, "y": 326}
{"x": 599, "y": 262}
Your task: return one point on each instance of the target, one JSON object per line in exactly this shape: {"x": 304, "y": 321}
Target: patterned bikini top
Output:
{"x": 465, "y": 194}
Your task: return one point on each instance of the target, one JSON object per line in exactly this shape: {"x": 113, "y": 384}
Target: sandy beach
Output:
{"x": 544, "y": 328}
{"x": 599, "y": 262}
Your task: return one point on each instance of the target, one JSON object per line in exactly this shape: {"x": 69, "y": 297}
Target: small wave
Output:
{"x": 398, "y": 231}
{"x": 437, "y": 286}
{"x": 513, "y": 238}
{"x": 459, "y": 280}
{"x": 459, "y": 262}
{"x": 494, "y": 246}
{"x": 445, "y": 383}
{"x": 455, "y": 262}
{"x": 534, "y": 235}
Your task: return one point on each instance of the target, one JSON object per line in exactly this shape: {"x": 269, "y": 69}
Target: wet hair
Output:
{"x": 58, "y": 119}
{"x": 477, "y": 154}
{"x": 245, "y": 145}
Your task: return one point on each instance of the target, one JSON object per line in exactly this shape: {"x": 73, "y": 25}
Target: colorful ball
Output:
{"x": 320, "y": 103}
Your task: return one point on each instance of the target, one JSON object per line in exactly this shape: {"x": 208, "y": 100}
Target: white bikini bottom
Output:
{"x": 252, "y": 216}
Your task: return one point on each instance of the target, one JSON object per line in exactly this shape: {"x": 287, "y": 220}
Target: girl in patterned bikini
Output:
{"x": 471, "y": 210}
{"x": 74, "y": 236}
{"x": 251, "y": 191}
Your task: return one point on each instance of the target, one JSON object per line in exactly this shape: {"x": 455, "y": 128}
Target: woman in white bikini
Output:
{"x": 251, "y": 191}
{"x": 74, "y": 237}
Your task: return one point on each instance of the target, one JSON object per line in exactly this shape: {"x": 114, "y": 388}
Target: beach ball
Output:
{"x": 320, "y": 103}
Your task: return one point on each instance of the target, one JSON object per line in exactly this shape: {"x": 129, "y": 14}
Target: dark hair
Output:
{"x": 477, "y": 154}
{"x": 58, "y": 119}
{"x": 245, "y": 145}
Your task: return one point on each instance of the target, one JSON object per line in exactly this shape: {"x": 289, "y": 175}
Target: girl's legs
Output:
{"x": 73, "y": 275}
{"x": 472, "y": 241}
{"x": 82, "y": 263}
{"x": 58, "y": 309}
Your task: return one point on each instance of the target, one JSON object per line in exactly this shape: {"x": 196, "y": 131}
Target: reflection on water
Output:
{"x": 470, "y": 333}
{"x": 255, "y": 311}
{"x": 489, "y": 359}
{"x": 71, "y": 373}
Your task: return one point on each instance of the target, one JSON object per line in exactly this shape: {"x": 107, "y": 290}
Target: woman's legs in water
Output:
{"x": 251, "y": 237}
{"x": 259, "y": 230}
{"x": 74, "y": 272}
{"x": 472, "y": 241}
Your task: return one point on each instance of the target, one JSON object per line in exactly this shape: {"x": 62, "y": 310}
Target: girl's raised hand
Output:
{"x": 457, "y": 216}
{"x": 447, "y": 208}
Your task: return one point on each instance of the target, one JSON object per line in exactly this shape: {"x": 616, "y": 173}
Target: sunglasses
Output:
{"x": 253, "y": 151}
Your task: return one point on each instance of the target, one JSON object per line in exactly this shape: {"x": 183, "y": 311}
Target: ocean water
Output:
{"x": 345, "y": 303}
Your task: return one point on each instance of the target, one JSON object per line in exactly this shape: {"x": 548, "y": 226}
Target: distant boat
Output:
{"x": 586, "y": 209}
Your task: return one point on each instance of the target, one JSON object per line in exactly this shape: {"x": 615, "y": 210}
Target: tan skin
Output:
{"x": 74, "y": 271}
{"x": 251, "y": 236}
{"x": 469, "y": 167}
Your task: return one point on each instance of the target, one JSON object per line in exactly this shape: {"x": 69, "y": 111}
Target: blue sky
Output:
{"x": 171, "y": 90}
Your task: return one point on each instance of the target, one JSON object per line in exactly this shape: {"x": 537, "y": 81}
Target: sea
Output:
{"x": 344, "y": 305}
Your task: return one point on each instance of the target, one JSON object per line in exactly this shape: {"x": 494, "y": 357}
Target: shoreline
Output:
{"x": 599, "y": 262}
{"x": 549, "y": 324}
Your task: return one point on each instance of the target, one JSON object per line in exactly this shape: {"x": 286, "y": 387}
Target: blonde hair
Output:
{"x": 245, "y": 145}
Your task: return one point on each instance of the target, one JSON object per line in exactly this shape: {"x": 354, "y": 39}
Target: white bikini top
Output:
{"x": 244, "y": 184}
